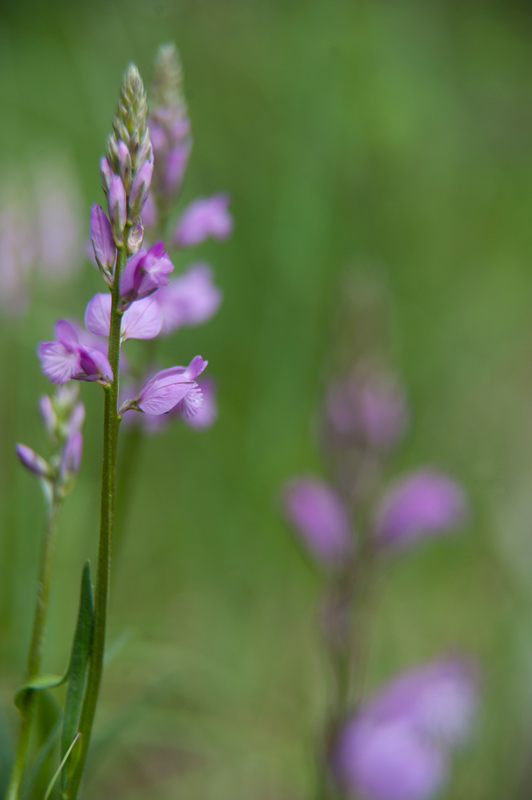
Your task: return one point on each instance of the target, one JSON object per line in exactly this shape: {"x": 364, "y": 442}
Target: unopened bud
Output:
{"x": 106, "y": 174}
{"x": 32, "y": 461}
{"x": 140, "y": 189}
{"x": 134, "y": 240}
{"x": 71, "y": 456}
{"x": 102, "y": 240}
{"x": 48, "y": 415}
{"x": 117, "y": 208}
{"x": 123, "y": 163}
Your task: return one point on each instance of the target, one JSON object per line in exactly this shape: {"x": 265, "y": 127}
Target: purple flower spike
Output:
{"x": 102, "y": 240}
{"x": 71, "y": 455}
{"x": 208, "y": 216}
{"x": 190, "y": 299}
{"x": 142, "y": 320}
{"x": 144, "y": 273}
{"x": 425, "y": 503}
{"x": 29, "y": 459}
{"x": 171, "y": 386}
{"x": 317, "y": 513}
{"x": 396, "y": 746}
{"x": 117, "y": 203}
{"x": 67, "y": 358}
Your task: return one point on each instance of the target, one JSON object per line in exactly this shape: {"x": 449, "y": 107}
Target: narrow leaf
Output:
{"x": 36, "y": 683}
{"x": 60, "y": 767}
{"x": 46, "y": 734}
{"x": 77, "y": 670}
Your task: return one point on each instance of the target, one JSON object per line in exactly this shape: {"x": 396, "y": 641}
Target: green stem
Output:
{"x": 36, "y": 647}
{"x": 131, "y": 441}
{"x": 101, "y": 597}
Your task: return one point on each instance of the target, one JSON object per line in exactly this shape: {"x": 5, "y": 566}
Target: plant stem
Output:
{"x": 36, "y": 646}
{"x": 131, "y": 442}
{"x": 101, "y": 597}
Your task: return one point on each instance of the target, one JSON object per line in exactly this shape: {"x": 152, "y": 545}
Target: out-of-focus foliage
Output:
{"x": 388, "y": 136}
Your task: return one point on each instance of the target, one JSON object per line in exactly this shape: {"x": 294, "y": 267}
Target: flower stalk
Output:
{"x": 101, "y": 596}
{"x": 36, "y": 645}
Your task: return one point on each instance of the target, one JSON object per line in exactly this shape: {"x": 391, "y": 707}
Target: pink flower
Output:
{"x": 144, "y": 273}
{"x": 142, "y": 320}
{"x": 396, "y": 746}
{"x": 190, "y": 299}
{"x": 319, "y": 517}
{"x": 425, "y": 503}
{"x": 66, "y": 358}
{"x": 171, "y": 386}
{"x": 206, "y": 216}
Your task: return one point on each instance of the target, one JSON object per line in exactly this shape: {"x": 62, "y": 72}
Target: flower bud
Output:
{"x": 117, "y": 203}
{"x": 140, "y": 189}
{"x": 135, "y": 237}
{"x": 102, "y": 240}
{"x": 71, "y": 455}
{"x": 48, "y": 415}
{"x": 425, "y": 503}
{"x": 106, "y": 174}
{"x": 32, "y": 461}
{"x": 319, "y": 517}
{"x": 123, "y": 162}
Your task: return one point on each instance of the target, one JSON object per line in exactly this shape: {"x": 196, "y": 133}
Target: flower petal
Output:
{"x": 158, "y": 397}
{"x": 142, "y": 320}
{"x": 58, "y": 362}
{"x": 98, "y": 314}
{"x": 66, "y": 333}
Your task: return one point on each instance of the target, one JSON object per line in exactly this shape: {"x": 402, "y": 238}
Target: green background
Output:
{"x": 389, "y": 137}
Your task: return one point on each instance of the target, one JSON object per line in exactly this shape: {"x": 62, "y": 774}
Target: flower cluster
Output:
{"x": 141, "y": 304}
{"x": 63, "y": 416}
{"x": 149, "y": 303}
{"x": 395, "y": 746}
{"x": 367, "y": 416}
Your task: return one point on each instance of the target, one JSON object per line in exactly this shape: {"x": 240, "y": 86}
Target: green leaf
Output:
{"x": 36, "y": 683}
{"x": 79, "y": 660}
{"x": 50, "y": 719}
{"x": 60, "y": 767}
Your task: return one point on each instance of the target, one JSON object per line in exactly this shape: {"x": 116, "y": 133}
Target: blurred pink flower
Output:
{"x": 319, "y": 517}
{"x": 424, "y": 503}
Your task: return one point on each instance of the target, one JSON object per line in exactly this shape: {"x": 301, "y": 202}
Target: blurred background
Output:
{"x": 391, "y": 139}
